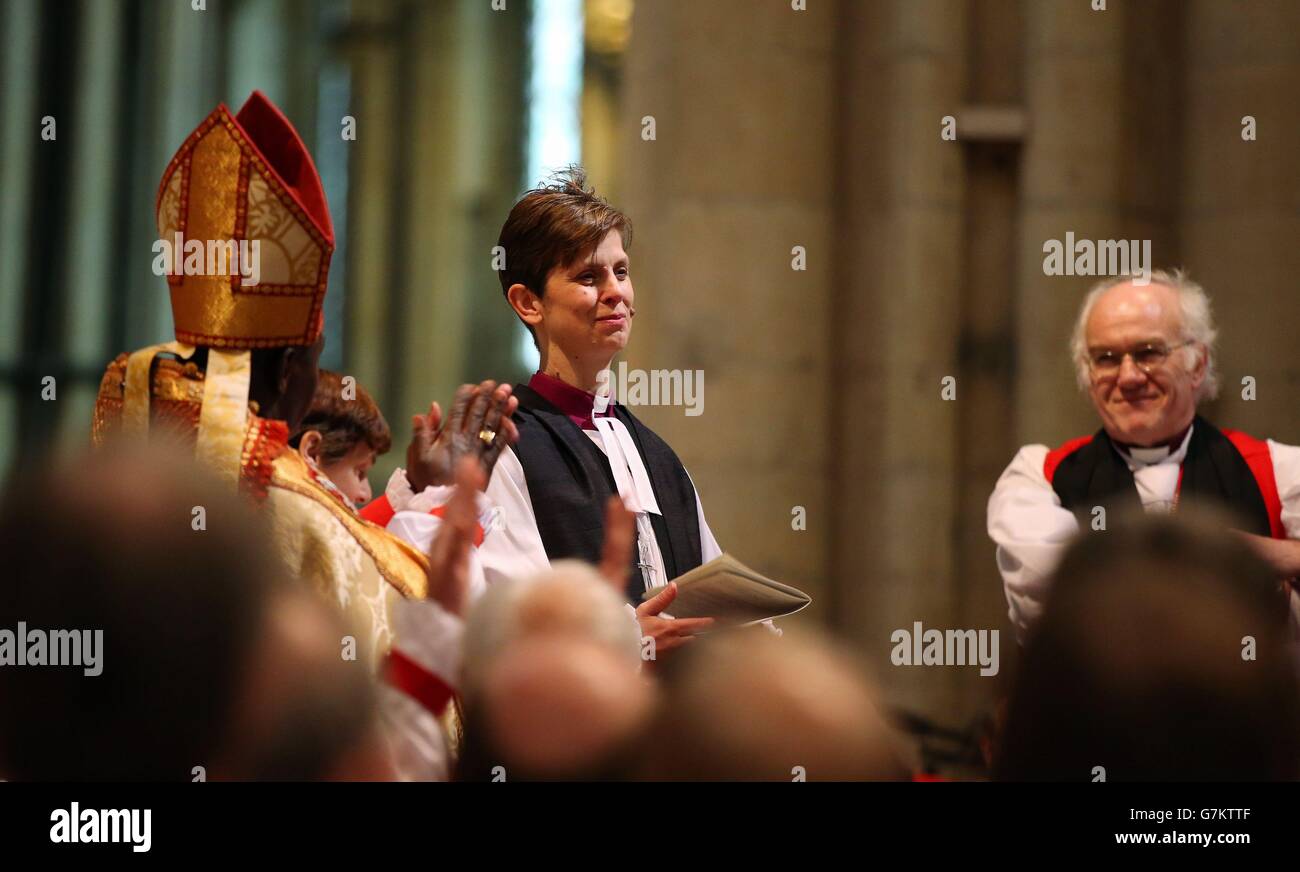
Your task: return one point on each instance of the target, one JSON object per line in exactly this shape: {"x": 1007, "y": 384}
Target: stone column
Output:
{"x": 739, "y": 173}
{"x": 1070, "y": 182}
{"x": 895, "y": 316}
{"x": 1241, "y": 202}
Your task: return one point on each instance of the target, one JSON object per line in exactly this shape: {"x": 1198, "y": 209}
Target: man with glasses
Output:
{"x": 1145, "y": 356}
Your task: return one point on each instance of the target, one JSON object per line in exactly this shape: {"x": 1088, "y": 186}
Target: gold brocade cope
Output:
{"x": 453, "y": 726}
{"x": 224, "y": 416}
{"x": 158, "y": 393}
{"x": 402, "y": 566}
{"x": 138, "y": 389}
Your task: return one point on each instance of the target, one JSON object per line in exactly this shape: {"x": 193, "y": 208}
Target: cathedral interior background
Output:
{"x": 735, "y": 133}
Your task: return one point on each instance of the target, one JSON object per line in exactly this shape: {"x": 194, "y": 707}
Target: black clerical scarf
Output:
{"x": 569, "y": 482}
{"x": 1090, "y": 472}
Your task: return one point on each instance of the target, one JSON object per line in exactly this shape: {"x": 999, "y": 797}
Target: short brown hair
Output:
{"x": 554, "y": 225}
{"x": 343, "y": 423}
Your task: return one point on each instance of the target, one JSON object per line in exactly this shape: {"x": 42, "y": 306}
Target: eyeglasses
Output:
{"x": 1148, "y": 356}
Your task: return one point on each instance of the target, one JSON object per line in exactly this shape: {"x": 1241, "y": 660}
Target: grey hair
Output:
{"x": 1197, "y": 326}
{"x": 509, "y": 611}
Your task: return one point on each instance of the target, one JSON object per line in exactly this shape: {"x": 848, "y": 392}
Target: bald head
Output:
{"x": 304, "y": 713}
{"x": 553, "y": 708}
{"x": 1129, "y": 311}
{"x": 754, "y": 707}
{"x": 572, "y": 600}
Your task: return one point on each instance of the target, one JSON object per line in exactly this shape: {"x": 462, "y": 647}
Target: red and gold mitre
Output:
{"x": 247, "y": 178}
{"x": 241, "y": 179}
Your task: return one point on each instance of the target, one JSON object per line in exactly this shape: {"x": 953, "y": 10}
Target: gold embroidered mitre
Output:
{"x": 241, "y": 200}
{"x": 236, "y": 181}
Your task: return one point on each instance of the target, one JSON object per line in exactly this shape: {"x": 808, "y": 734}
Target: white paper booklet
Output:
{"x": 731, "y": 592}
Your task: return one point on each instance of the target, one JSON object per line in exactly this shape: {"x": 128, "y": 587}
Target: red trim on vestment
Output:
{"x": 441, "y": 512}
{"x": 421, "y": 685}
{"x": 1254, "y": 451}
{"x": 378, "y": 511}
{"x": 1260, "y": 460}
{"x": 1056, "y": 455}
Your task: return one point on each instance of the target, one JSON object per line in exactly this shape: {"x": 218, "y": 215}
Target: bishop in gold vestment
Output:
{"x": 246, "y": 183}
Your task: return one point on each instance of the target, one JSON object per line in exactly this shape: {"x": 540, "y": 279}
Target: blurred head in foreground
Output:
{"x": 203, "y": 654}
{"x": 554, "y": 707}
{"x": 550, "y": 679}
{"x": 571, "y": 600}
{"x": 1162, "y": 655}
{"x": 750, "y": 706}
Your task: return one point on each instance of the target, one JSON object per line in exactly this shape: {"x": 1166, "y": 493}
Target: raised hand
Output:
{"x": 477, "y": 413}
{"x": 449, "y": 551}
{"x": 491, "y": 414}
{"x": 620, "y": 538}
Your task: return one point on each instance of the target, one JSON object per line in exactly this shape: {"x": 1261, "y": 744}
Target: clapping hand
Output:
{"x": 480, "y": 426}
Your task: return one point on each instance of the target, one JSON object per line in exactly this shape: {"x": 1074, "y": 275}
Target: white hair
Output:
{"x": 572, "y": 598}
{"x": 1197, "y": 327}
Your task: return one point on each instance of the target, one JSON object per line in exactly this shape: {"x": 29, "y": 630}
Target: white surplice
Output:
{"x": 512, "y": 546}
{"x": 1032, "y": 529}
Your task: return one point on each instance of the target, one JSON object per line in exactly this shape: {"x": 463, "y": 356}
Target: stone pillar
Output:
{"x": 436, "y": 167}
{"x": 740, "y": 172}
{"x": 372, "y": 224}
{"x": 986, "y": 349}
{"x": 1241, "y": 202}
{"x": 895, "y": 318}
{"x": 1070, "y": 182}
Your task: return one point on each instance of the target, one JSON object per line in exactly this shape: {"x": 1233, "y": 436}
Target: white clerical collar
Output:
{"x": 1139, "y": 456}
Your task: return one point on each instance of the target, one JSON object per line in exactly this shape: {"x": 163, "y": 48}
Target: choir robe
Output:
{"x": 1032, "y": 521}
{"x": 421, "y": 676}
